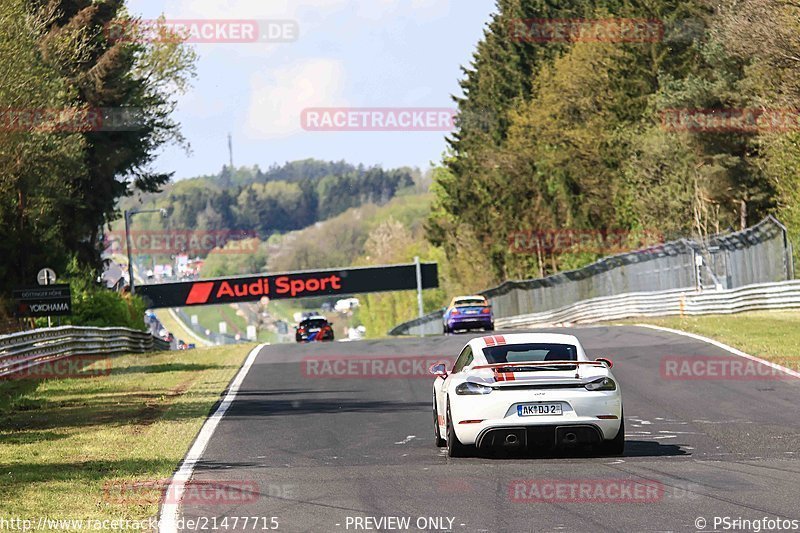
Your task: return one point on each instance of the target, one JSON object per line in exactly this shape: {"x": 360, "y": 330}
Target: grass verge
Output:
{"x": 209, "y": 317}
{"x": 66, "y": 444}
{"x": 770, "y": 335}
{"x": 176, "y": 328}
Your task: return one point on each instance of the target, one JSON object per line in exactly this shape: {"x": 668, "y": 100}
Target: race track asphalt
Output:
{"x": 322, "y": 454}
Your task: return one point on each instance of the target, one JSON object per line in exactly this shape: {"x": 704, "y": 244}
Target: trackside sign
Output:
{"x": 289, "y": 285}
{"x": 45, "y": 300}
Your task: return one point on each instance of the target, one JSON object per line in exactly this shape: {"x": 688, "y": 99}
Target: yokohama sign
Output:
{"x": 44, "y": 300}
{"x": 289, "y": 285}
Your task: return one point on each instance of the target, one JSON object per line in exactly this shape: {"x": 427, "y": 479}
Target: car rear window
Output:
{"x": 528, "y": 353}
{"x": 314, "y": 323}
{"x": 470, "y": 302}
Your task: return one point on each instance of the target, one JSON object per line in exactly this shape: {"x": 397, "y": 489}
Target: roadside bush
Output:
{"x": 100, "y": 307}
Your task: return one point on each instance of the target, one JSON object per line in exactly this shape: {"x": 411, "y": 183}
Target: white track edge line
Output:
{"x": 168, "y": 522}
{"x": 725, "y": 347}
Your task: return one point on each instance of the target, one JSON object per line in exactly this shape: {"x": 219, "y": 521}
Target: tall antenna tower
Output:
{"x": 230, "y": 150}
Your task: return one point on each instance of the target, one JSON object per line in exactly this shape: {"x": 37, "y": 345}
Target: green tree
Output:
{"x": 133, "y": 82}
{"x": 764, "y": 35}
{"x": 35, "y": 158}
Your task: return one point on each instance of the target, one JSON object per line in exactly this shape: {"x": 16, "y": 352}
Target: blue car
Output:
{"x": 467, "y": 313}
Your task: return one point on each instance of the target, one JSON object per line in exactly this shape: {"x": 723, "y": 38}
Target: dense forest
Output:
{"x": 579, "y": 133}
{"x": 263, "y": 203}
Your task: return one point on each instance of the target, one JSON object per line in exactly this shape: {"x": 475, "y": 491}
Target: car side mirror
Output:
{"x": 606, "y": 361}
{"x": 439, "y": 370}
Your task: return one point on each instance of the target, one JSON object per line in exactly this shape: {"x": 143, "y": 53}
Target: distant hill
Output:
{"x": 264, "y": 203}
{"x": 293, "y": 171}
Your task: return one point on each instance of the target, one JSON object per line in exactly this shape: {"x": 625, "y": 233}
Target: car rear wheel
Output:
{"x": 454, "y": 446}
{"x": 616, "y": 446}
{"x": 440, "y": 442}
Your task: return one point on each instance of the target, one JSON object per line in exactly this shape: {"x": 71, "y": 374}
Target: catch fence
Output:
{"x": 759, "y": 254}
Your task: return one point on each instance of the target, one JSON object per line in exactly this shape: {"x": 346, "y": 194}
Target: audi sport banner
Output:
{"x": 289, "y": 285}
{"x": 44, "y": 300}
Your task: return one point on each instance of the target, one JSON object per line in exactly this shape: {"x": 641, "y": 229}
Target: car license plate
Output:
{"x": 539, "y": 409}
{"x": 472, "y": 312}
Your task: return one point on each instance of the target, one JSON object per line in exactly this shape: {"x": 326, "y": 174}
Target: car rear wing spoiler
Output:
{"x": 539, "y": 363}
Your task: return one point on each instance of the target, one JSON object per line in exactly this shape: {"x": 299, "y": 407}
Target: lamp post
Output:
{"x": 128, "y": 216}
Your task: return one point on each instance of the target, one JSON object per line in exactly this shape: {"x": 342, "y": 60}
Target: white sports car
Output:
{"x": 530, "y": 390}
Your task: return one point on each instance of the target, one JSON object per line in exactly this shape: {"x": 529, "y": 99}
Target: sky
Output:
{"x": 395, "y": 54}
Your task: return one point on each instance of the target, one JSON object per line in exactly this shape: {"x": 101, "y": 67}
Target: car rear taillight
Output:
{"x": 455, "y": 312}
{"x": 486, "y": 311}
{"x": 301, "y": 330}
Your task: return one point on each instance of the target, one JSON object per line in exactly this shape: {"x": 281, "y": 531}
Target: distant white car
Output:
{"x": 356, "y": 334}
{"x": 531, "y": 390}
{"x": 346, "y": 305}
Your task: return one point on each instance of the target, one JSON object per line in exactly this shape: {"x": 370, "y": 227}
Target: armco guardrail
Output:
{"x": 757, "y": 255}
{"x": 20, "y": 351}
{"x": 430, "y": 324}
{"x": 761, "y": 296}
